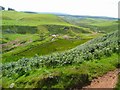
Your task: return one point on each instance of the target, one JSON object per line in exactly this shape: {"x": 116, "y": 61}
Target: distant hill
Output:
{"x": 95, "y": 17}
{"x": 55, "y": 13}
{"x": 95, "y": 23}
{"x": 36, "y": 19}
{"x": 20, "y": 22}
{"x": 21, "y": 18}
{"x": 77, "y": 16}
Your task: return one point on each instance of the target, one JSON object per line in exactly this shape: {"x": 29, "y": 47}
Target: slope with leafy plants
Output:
{"x": 68, "y": 69}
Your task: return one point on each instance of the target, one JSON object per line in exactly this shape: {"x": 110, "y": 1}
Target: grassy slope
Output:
{"x": 19, "y": 22}
{"x": 41, "y": 49}
{"x": 24, "y": 23}
{"x": 65, "y": 77}
{"x": 62, "y": 76}
{"x": 102, "y": 25}
{"x": 25, "y": 19}
{"x": 22, "y": 31}
{"x": 58, "y": 45}
{"x": 56, "y": 73}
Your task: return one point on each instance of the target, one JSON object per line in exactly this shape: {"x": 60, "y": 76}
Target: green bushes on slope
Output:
{"x": 94, "y": 49}
{"x": 71, "y": 76}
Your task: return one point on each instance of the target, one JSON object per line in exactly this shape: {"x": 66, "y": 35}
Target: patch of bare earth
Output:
{"x": 108, "y": 80}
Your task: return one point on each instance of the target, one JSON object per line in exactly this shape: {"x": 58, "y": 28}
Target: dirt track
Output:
{"x": 108, "y": 80}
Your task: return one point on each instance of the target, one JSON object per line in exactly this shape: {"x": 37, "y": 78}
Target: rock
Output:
{"x": 12, "y": 85}
{"x": 54, "y": 36}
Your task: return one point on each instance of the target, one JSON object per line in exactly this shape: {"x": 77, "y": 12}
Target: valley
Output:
{"x": 56, "y": 51}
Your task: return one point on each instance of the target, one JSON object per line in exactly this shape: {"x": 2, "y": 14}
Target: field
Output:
{"x": 53, "y": 51}
{"x": 20, "y": 38}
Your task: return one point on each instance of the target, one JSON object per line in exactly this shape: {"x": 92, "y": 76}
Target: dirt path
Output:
{"x": 108, "y": 80}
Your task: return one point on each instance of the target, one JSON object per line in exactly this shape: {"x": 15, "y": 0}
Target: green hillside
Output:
{"x": 24, "y": 32}
{"x": 51, "y": 51}
{"x": 67, "y": 69}
{"x": 25, "y": 23}
{"x": 19, "y": 22}
{"x": 26, "y": 19}
{"x": 100, "y": 25}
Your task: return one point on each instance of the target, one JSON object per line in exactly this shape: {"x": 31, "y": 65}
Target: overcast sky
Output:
{"x": 74, "y": 7}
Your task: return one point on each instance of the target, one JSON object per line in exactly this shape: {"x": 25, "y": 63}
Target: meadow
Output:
{"x": 89, "y": 56}
{"x": 50, "y": 51}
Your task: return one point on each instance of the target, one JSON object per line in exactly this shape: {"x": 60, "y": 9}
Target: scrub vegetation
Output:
{"x": 53, "y": 51}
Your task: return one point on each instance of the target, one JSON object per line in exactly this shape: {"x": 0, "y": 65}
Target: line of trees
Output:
{"x": 9, "y": 9}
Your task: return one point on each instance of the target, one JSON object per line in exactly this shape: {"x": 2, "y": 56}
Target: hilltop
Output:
{"x": 14, "y": 21}
{"x": 21, "y": 18}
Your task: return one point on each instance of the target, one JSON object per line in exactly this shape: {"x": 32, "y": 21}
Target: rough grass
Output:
{"x": 64, "y": 77}
{"x": 19, "y": 37}
{"x": 55, "y": 46}
{"x": 118, "y": 83}
{"x": 72, "y": 72}
{"x": 43, "y": 49}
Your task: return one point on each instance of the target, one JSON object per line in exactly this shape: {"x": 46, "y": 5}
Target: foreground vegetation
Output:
{"x": 69, "y": 76}
{"x": 118, "y": 83}
{"x": 80, "y": 65}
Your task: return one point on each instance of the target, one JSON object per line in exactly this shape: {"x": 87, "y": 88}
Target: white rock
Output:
{"x": 12, "y": 85}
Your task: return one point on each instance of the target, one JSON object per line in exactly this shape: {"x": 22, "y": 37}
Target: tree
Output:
{"x": 2, "y": 8}
{"x": 10, "y": 9}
